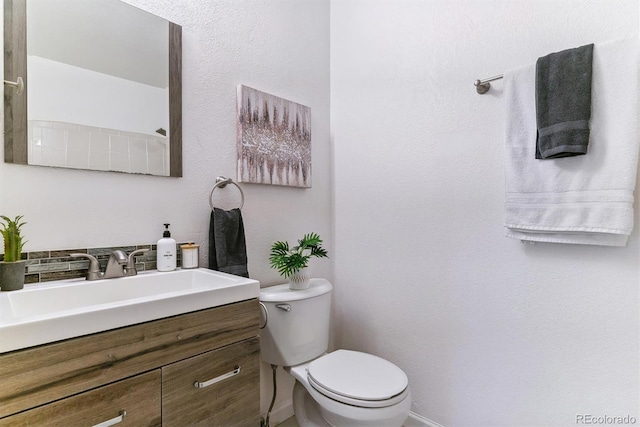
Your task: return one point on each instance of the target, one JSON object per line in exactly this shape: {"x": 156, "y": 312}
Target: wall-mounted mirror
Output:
{"x": 102, "y": 87}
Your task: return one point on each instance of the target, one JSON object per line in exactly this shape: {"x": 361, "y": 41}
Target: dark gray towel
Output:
{"x": 227, "y": 247}
{"x": 563, "y": 102}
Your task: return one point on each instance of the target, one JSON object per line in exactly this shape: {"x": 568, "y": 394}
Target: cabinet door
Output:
{"x": 217, "y": 388}
{"x": 133, "y": 402}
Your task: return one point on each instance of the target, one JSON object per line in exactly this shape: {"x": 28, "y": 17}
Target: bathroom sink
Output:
{"x": 53, "y": 311}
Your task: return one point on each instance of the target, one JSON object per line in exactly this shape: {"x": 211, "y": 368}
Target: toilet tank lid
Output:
{"x": 282, "y": 293}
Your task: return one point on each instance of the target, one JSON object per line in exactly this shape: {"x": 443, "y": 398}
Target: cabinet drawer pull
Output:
{"x": 112, "y": 421}
{"x": 233, "y": 373}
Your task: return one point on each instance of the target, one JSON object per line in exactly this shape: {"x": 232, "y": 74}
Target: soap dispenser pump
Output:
{"x": 166, "y": 251}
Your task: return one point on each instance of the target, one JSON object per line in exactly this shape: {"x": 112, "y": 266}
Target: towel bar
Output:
{"x": 222, "y": 182}
{"x": 483, "y": 86}
{"x": 18, "y": 84}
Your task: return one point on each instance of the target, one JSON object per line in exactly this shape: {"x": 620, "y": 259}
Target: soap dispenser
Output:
{"x": 166, "y": 252}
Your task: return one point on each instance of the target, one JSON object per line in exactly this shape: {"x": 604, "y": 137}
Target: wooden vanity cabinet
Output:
{"x": 232, "y": 397}
{"x": 149, "y": 371}
{"x": 132, "y": 402}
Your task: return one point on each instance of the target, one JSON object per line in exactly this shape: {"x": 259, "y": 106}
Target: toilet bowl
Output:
{"x": 341, "y": 388}
{"x": 349, "y": 388}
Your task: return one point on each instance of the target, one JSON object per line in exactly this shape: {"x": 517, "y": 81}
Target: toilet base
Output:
{"x": 305, "y": 408}
{"x": 309, "y": 413}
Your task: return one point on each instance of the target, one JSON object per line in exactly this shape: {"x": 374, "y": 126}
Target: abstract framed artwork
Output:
{"x": 274, "y": 139}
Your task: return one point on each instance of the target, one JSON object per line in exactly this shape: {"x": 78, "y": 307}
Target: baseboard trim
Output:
{"x": 416, "y": 420}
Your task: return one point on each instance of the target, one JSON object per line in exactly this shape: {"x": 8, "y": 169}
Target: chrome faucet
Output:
{"x": 119, "y": 265}
{"x": 115, "y": 265}
{"x": 93, "y": 273}
{"x": 130, "y": 268}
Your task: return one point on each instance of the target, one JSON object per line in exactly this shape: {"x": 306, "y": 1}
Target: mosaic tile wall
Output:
{"x": 44, "y": 266}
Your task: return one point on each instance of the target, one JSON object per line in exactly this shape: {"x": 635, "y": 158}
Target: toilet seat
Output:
{"x": 358, "y": 379}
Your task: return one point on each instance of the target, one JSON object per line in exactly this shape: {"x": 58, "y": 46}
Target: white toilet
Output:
{"x": 342, "y": 388}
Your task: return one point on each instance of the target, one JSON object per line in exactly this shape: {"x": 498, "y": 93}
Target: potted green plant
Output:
{"x": 12, "y": 268}
{"x": 292, "y": 262}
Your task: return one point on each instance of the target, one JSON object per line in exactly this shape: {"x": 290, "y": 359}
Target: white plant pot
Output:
{"x": 299, "y": 280}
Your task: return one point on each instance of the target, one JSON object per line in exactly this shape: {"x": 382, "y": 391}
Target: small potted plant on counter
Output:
{"x": 12, "y": 268}
{"x": 291, "y": 263}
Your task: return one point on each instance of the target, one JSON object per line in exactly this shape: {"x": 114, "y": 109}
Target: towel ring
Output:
{"x": 222, "y": 182}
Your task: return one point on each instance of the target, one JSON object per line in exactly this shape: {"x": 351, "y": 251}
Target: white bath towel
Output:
{"x": 585, "y": 199}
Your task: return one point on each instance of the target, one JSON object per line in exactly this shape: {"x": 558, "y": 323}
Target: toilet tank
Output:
{"x": 296, "y": 323}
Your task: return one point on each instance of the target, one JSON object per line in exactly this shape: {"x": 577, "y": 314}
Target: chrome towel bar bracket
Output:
{"x": 483, "y": 86}
{"x": 222, "y": 182}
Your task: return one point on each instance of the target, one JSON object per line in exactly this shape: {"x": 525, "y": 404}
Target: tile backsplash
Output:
{"x": 45, "y": 266}
{"x": 70, "y": 145}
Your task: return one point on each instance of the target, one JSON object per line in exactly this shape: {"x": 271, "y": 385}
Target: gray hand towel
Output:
{"x": 227, "y": 247}
{"x": 563, "y": 103}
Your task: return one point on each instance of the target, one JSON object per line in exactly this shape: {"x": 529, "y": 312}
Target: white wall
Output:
{"x": 489, "y": 331}
{"x": 66, "y": 93}
{"x": 280, "y": 47}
